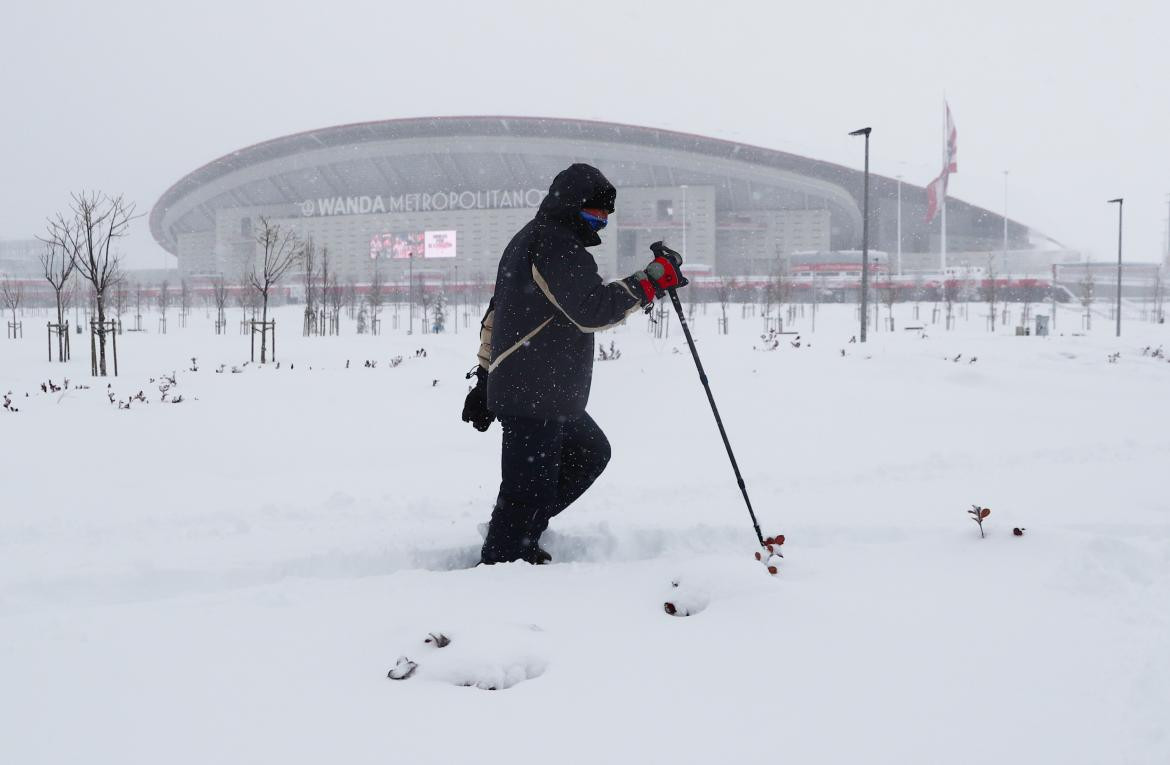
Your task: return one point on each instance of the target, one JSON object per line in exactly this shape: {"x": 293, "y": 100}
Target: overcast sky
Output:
{"x": 1070, "y": 96}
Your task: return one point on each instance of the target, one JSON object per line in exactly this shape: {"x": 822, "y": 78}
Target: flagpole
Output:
{"x": 946, "y": 167}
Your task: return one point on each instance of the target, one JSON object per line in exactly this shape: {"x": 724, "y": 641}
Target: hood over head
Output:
{"x": 578, "y": 186}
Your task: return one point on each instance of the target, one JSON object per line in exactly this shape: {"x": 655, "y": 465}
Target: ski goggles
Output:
{"x": 595, "y": 218}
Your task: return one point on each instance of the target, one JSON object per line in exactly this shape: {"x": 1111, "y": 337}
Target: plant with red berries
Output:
{"x": 771, "y": 555}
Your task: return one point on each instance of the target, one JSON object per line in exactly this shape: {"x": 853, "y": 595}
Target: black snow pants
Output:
{"x": 545, "y": 466}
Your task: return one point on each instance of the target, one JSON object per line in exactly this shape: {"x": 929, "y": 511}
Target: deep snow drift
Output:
{"x": 228, "y": 579}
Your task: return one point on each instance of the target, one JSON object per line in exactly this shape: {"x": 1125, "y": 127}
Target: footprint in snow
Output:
{"x": 491, "y": 657}
{"x": 685, "y": 599}
{"x": 446, "y": 559}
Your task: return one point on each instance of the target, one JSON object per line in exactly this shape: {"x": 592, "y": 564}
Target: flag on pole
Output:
{"x": 952, "y": 164}
{"x": 937, "y": 190}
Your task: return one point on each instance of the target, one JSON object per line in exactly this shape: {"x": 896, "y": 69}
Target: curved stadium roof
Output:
{"x": 456, "y": 153}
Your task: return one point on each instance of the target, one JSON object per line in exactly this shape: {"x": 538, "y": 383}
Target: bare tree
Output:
{"x": 374, "y": 296}
{"x": 336, "y": 298}
{"x": 351, "y": 297}
{"x": 969, "y": 290}
{"x": 1027, "y": 297}
{"x": 121, "y": 294}
{"x": 950, "y": 290}
{"x": 12, "y": 294}
{"x": 309, "y": 263}
{"x": 439, "y": 312}
{"x": 184, "y": 302}
{"x": 480, "y": 291}
{"x": 785, "y": 285}
{"x": 57, "y": 267}
{"x": 1159, "y": 295}
{"x": 1088, "y": 293}
{"x": 768, "y": 295}
{"x": 281, "y": 250}
{"x": 254, "y": 302}
{"x": 780, "y": 286}
{"x": 723, "y": 293}
{"x": 207, "y": 298}
{"x": 138, "y": 306}
{"x": 98, "y": 221}
{"x": 326, "y": 286}
{"x": 69, "y": 296}
{"x": 919, "y": 288}
{"x": 991, "y": 290}
{"x": 426, "y": 298}
{"x": 243, "y": 298}
{"x": 163, "y": 301}
{"x": 219, "y": 293}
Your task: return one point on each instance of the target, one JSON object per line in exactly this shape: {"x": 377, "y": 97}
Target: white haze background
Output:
{"x": 1070, "y": 96}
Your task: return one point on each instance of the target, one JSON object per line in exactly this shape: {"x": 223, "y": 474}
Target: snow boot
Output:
{"x": 496, "y": 550}
{"x": 530, "y": 553}
{"x": 537, "y": 555}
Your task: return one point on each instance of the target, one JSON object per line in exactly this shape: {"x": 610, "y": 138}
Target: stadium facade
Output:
{"x": 444, "y": 195}
{"x": 20, "y": 258}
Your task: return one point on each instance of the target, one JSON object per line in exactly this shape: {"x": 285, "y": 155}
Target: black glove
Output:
{"x": 475, "y": 409}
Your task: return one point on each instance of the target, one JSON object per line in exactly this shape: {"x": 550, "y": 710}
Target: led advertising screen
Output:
{"x": 440, "y": 244}
{"x": 397, "y": 245}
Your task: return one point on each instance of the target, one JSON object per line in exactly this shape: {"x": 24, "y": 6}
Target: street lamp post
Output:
{"x": 684, "y": 217}
{"x": 1120, "y": 202}
{"x": 410, "y": 294}
{"x": 899, "y": 225}
{"x": 865, "y": 131}
{"x": 1005, "y": 219}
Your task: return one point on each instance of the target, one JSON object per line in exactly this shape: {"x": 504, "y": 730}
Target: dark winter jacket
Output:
{"x": 549, "y": 301}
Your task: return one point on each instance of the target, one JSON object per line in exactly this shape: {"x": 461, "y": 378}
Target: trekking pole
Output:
{"x": 714, "y": 410}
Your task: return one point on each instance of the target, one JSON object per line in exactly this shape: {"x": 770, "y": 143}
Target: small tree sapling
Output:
{"x": 978, "y": 514}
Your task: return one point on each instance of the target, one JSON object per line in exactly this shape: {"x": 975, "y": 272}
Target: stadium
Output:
{"x": 442, "y": 196}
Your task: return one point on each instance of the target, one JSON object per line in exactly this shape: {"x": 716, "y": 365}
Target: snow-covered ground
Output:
{"x": 228, "y": 579}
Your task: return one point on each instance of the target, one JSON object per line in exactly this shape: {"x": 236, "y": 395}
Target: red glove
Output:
{"x": 662, "y": 274}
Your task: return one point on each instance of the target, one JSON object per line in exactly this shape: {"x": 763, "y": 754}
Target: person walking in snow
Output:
{"x": 536, "y": 359}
